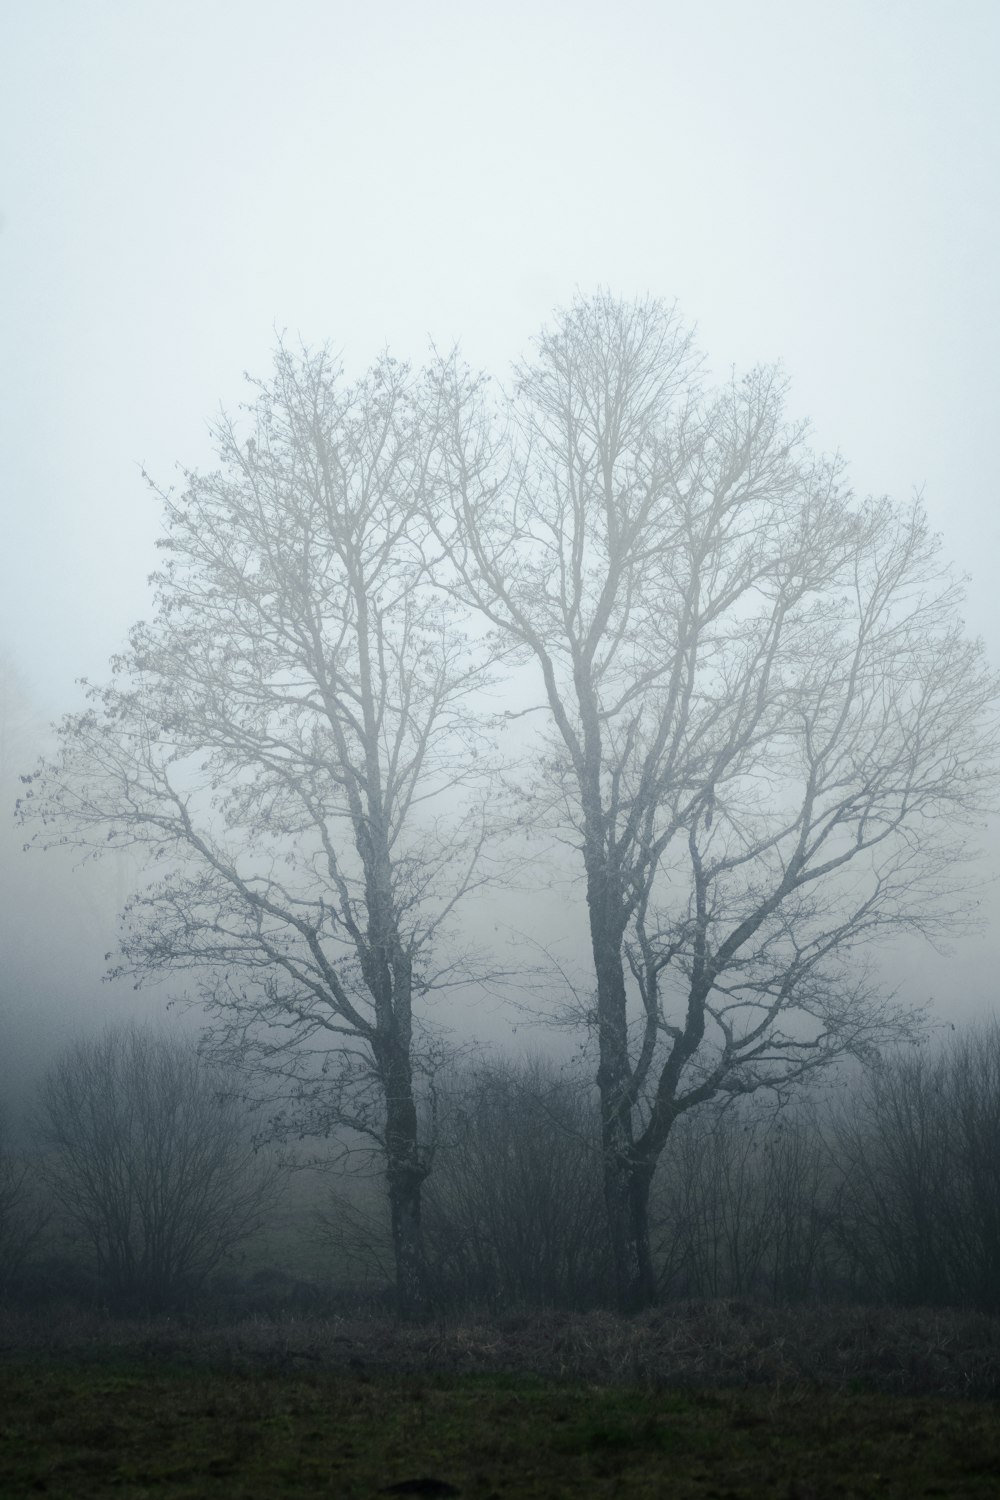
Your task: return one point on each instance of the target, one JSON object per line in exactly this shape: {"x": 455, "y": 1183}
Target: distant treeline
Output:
{"x": 142, "y": 1190}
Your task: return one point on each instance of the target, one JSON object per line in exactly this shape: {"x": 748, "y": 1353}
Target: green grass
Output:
{"x": 76, "y": 1430}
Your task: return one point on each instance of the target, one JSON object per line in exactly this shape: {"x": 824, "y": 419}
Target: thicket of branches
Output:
{"x": 22, "y": 1215}
{"x": 149, "y": 1159}
{"x": 882, "y": 1190}
{"x": 919, "y": 1154}
{"x": 514, "y": 1206}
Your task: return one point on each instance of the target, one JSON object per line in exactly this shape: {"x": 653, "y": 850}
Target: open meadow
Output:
{"x": 719, "y": 1399}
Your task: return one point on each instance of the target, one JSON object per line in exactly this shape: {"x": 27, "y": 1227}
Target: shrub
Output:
{"x": 22, "y": 1217}
{"x": 150, "y": 1159}
{"x": 514, "y": 1212}
{"x": 918, "y": 1148}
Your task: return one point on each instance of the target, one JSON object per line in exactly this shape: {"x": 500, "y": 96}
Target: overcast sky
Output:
{"x": 815, "y": 182}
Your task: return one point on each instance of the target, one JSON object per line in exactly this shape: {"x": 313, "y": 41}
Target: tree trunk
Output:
{"x": 412, "y": 1294}
{"x": 405, "y": 1174}
{"x": 628, "y": 1173}
{"x": 626, "y": 1197}
{"x": 628, "y": 1231}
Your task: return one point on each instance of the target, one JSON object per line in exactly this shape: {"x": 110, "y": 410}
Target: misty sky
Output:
{"x": 815, "y": 182}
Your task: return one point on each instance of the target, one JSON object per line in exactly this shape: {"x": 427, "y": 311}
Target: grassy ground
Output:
{"x": 891, "y": 1351}
{"x": 80, "y": 1430}
{"x": 720, "y": 1399}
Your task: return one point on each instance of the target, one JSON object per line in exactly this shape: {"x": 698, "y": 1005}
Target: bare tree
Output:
{"x": 767, "y": 731}
{"x": 287, "y": 738}
{"x": 150, "y": 1158}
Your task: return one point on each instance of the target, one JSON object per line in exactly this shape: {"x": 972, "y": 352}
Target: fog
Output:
{"x": 182, "y": 184}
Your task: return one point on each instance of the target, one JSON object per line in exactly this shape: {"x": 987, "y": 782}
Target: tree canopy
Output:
{"x": 767, "y": 732}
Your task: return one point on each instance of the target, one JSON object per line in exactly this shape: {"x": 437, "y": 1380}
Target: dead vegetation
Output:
{"x": 915, "y": 1352}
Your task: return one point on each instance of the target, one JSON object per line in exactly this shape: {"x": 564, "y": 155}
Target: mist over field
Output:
{"x": 498, "y": 621}
{"x": 499, "y": 747}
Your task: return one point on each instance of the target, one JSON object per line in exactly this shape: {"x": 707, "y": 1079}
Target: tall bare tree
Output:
{"x": 287, "y": 739}
{"x": 768, "y": 733}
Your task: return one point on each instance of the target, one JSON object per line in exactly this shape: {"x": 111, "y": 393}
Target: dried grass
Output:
{"x": 692, "y": 1344}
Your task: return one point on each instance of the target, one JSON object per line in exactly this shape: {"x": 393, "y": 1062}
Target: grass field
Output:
{"x": 722, "y": 1399}
{"x": 76, "y": 1430}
